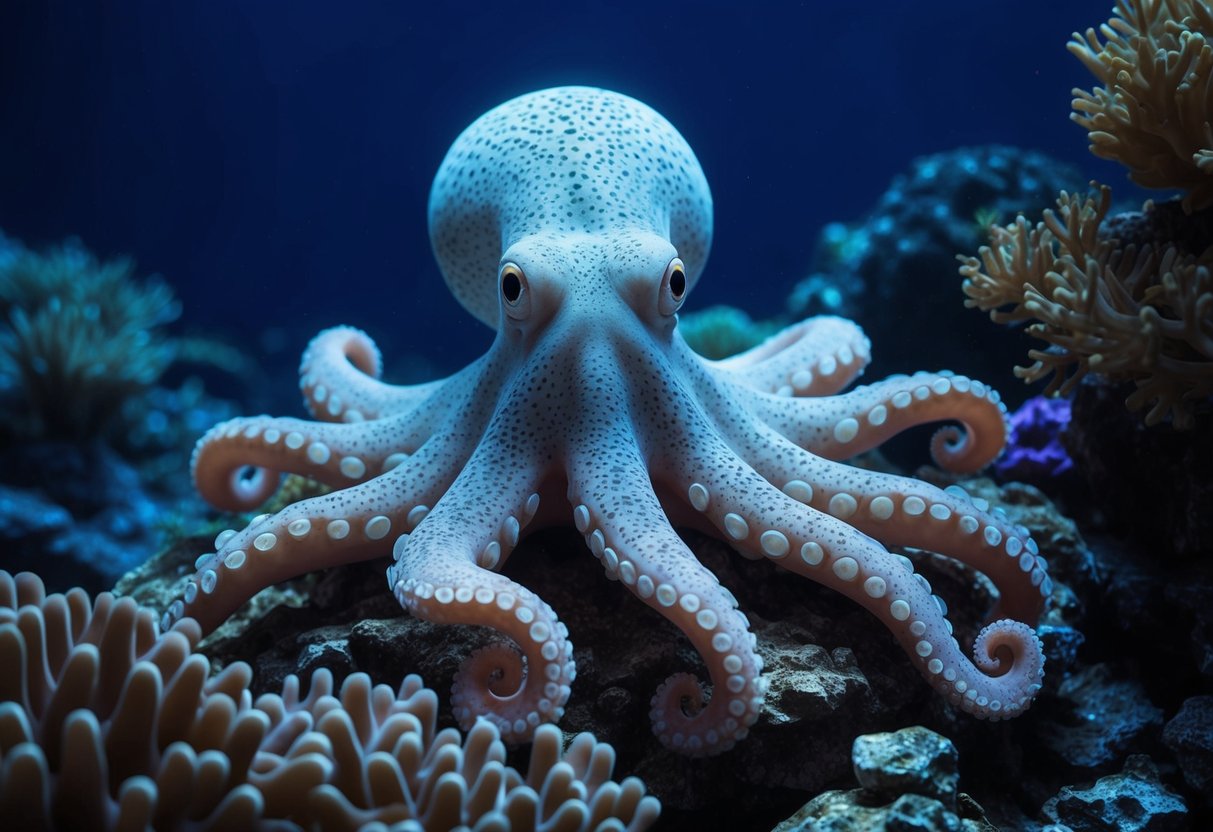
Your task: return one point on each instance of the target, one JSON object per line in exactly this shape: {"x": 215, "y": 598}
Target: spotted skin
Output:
{"x": 576, "y": 221}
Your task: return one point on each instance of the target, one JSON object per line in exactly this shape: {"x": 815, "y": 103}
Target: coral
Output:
{"x": 80, "y": 336}
{"x": 1034, "y": 451}
{"x": 1127, "y": 312}
{"x": 1104, "y": 303}
{"x": 722, "y": 331}
{"x": 106, "y": 724}
{"x": 1152, "y": 112}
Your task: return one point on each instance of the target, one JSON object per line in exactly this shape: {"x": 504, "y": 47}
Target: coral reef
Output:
{"x": 1119, "y": 298}
{"x": 91, "y": 443}
{"x": 104, "y": 723}
{"x": 571, "y": 415}
{"x": 79, "y": 336}
{"x": 1144, "y": 314}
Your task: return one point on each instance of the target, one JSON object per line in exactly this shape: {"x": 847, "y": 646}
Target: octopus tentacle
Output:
{"x": 236, "y": 464}
{"x": 443, "y": 573}
{"x": 626, "y": 529}
{"x": 895, "y": 510}
{"x": 816, "y": 357}
{"x": 339, "y": 378}
{"x": 901, "y": 511}
{"x": 346, "y": 526}
{"x": 846, "y": 425}
{"x": 1008, "y": 663}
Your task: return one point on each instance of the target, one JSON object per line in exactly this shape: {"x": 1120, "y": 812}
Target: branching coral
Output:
{"x": 106, "y": 724}
{"x": 1126, "y": 312}
{"x": 80, "y": 336}
{"x": 1152, "y": 112}
{"x": 1109, "y": 305}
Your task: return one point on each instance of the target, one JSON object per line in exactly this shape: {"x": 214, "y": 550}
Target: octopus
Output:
{"x": 576, "y": 221}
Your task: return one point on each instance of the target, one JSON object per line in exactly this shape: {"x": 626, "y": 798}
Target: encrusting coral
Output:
{"x": 80, "y": 336}
{"x": 1128, "y": 309}
{"x": 107, "y": 724}
{"x": 1126, "y": 312}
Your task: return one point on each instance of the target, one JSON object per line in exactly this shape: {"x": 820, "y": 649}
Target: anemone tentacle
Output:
{"x": 843, "y": 426}
{"x": 816, "y": 357}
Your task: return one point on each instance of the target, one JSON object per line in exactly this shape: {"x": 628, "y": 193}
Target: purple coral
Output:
{"x": 1034, "y": 451}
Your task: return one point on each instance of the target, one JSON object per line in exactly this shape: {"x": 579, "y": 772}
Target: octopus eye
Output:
{"x": 673, "y": 288}
{"x": 514, "y": 291}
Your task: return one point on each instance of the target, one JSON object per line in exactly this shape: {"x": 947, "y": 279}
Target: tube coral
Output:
{"x": 106, "y": 724}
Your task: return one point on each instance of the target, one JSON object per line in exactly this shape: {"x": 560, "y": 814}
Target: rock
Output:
{"x": 1132, "y": 801}
{"x": 1105, "y": 716}
{"x": 1061, "y": 646}
{"x": 845, "y": 811}
{"x": 1153, "y": 484}
{"x": 1190, "y": 735}
{"x": 890, "y": 270}
{"x": 835, "y": 671}
{"x": 912, "y": 760}
{"x": 807, "y": 681}
{"x": 907, "y": 781}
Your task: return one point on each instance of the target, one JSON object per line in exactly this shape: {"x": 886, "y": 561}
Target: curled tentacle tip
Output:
{"x": 953, "y": 449}
{"x": 251, "y": 485}
{"x": 681, "y": 692}
{"x": 351, "y": 343}
{"x": 1010, "y": 653}
{"x": 684, "y": 724}
{"x": 492, "y": 684}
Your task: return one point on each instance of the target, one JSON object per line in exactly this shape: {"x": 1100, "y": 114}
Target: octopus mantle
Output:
{"x": 576, "y": 221}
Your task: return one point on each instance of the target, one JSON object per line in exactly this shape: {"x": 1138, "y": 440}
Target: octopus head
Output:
{"x": 567, "y": 196}
{"x": 563, "y": 280}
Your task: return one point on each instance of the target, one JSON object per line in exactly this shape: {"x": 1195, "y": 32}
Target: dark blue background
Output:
{"x": 273, "y": 159}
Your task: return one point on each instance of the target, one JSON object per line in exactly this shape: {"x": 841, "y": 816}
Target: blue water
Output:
{"x": 272, "y": 160}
